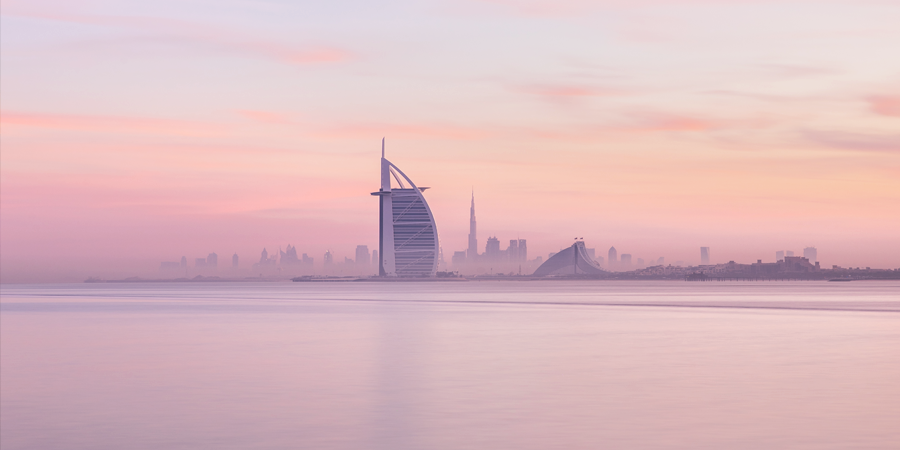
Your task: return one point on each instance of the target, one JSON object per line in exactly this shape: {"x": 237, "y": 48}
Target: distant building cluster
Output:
{"x": 623, "y": 262}
{"x": 495, "y": 259}
{"x": 786, "y": 264}
{"x": 286, "y": 262}
{"x": 201, "y": 265}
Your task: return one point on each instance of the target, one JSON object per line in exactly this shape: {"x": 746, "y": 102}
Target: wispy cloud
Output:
{"x": 269, "y": 117}
{"x": 366, "y": 130}
{"x": 187, "y": 34}
{"x": 551, "y": 8}
{"x": 674, "y": 122}
{"x": 780, "y": 70}
{"x": 855, "y": 141}
{"x": 568, "y": 90}
{"x": 106, "y": 124}
{"x": 885, "y": 105}
{"x": 401, "y": 131}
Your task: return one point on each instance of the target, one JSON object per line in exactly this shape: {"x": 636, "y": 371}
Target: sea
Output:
{"x": 586, "y": 364}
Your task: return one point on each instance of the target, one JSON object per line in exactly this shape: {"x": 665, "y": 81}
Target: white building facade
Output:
{"x": 407, "y": 235}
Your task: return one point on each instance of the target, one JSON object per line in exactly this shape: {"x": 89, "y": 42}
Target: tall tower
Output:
{"x": 407, "y": 235}
{"x": 613, "y": 258}
{"x": 472, "y": 253}
{"x": 704, "y": 255}
{"x": 811, "y": 254}
{"x": 362, "y": 254}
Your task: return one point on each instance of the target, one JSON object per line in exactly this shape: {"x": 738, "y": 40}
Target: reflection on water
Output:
{"x": 530, "y": 365}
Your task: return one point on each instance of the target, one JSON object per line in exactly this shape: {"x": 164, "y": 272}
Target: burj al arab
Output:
{"x": 407, "y": 235}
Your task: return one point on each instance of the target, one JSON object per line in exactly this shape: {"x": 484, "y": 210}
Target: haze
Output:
{"x": 139, "y": 132}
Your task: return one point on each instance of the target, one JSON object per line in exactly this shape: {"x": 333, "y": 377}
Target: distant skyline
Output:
{"x": 134, "y": 133}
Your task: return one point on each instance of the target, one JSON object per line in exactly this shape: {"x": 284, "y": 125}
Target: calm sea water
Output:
{"x": 468, "y": 365}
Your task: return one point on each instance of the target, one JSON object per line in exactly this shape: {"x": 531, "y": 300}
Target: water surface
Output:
{"x": 451, "y": 365}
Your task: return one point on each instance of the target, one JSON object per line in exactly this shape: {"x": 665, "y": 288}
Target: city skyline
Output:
{"x": 408, "y": 247}
{"x": 135, "y": 133}
{"x": 464, "y": 262}
{"x": 469, "y": 262}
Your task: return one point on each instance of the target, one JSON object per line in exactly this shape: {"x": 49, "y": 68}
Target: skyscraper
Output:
{"x": 472, "y": 251}
{"x": 492, "y": 249}
{"x": 523, "y": 250}
{"x": 811, "y": 254}
{"x": 512, "y": 252}
{"x": 613, "y": 257}
{"x": 234, "y": 261}
{"x": 407, "y": 235}
{"x": 362, "y": 254}
{"x": 212, "y": 260}
{"x": 704, "y": 255}
{"x": 289, "y": 257}
{"x": 458, "y": 259}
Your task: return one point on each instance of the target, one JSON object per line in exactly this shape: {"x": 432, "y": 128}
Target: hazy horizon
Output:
{"x": 137, "y": 133}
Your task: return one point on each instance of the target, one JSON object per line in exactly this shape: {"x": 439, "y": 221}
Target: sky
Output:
{"x": 136, "y": 132}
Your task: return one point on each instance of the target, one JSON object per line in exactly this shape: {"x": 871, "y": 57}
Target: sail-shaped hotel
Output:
{"x": 407, "y": 235}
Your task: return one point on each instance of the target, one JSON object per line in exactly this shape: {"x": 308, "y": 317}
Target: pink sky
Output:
{"x": 139, "y": 132}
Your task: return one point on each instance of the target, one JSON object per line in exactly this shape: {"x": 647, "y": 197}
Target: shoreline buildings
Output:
{"x": 407, "y": 234}
{"x": 494, "y": 259}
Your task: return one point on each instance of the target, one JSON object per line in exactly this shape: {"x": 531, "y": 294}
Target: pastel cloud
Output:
{"x": 551, "y": 8}
{"x": 856, "y": 141}
{"x": 410, "y": 130}
{"x": 315, "y": 55}
{"x": 674, "y": 122}
{"x": 885, "y": 105}
{"x": 186, "y": 34}
{"x": 563, "y": 90}
{"x": 628, "y": 123}
{"x": 270, "y": 117}
{"x": 105, "y": 124}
